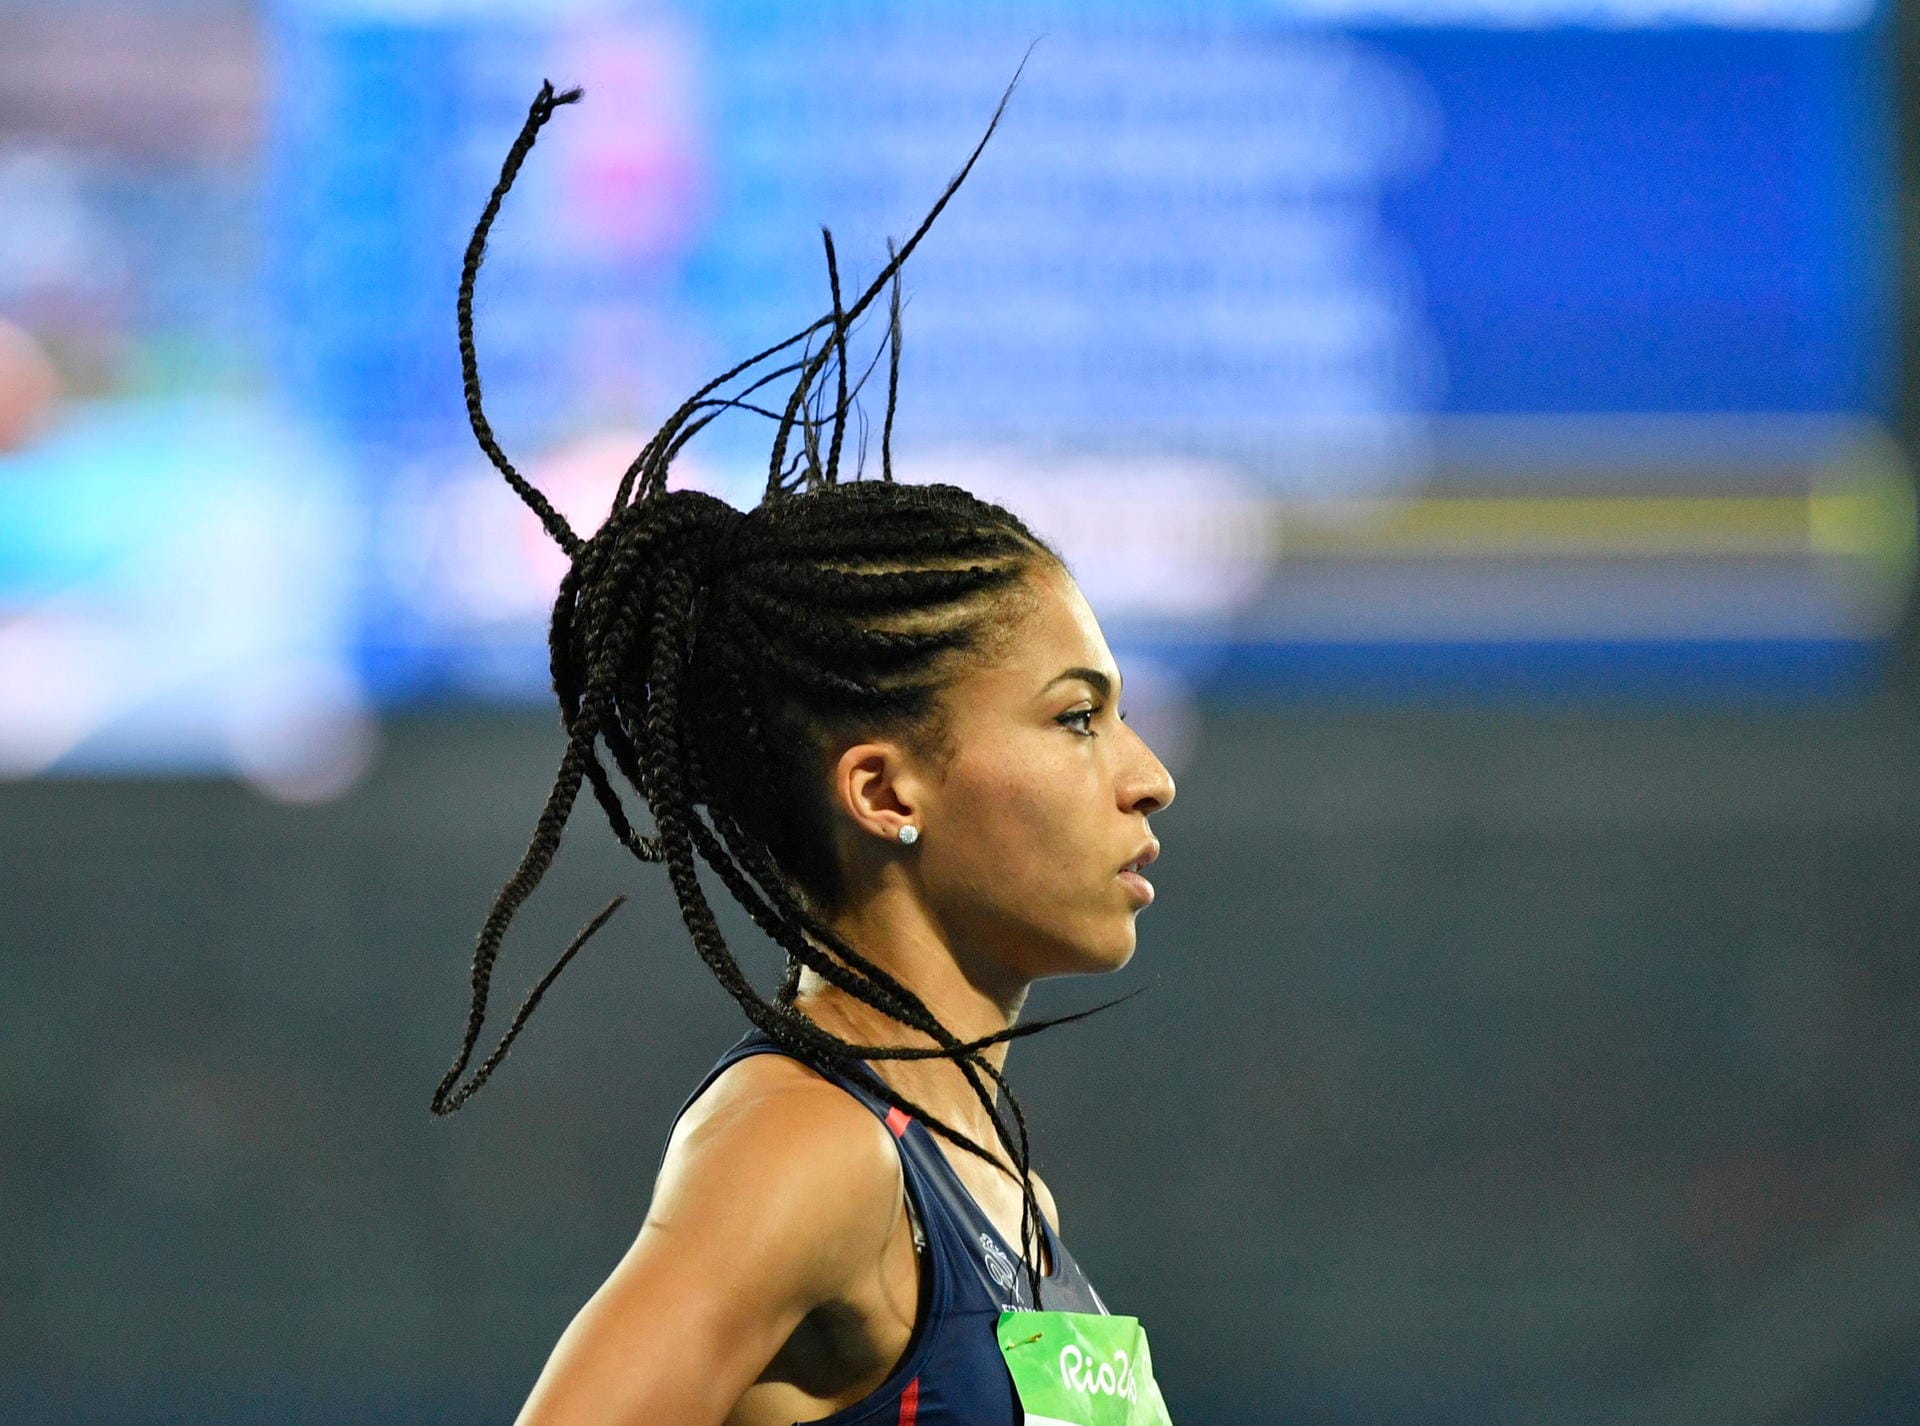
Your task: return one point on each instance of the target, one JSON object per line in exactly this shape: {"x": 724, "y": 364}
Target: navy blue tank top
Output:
{"x": 952, "y": 1373}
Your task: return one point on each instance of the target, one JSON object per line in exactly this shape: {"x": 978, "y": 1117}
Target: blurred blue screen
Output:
{"x": 1378, "y": 349}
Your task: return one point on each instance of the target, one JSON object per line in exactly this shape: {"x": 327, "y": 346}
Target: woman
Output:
{"x": 901, "y": 720}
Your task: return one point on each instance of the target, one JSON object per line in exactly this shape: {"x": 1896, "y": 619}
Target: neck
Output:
{"x": 913, "y": 953}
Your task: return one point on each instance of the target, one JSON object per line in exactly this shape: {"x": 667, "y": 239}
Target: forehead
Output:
{"x": 1059, "y": 632}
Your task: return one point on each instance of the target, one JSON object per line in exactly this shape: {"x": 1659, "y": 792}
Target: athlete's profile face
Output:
{"x": 1044, "y": 802}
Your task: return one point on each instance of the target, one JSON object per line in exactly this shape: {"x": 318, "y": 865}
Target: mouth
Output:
{"x": 1130, "y": 876}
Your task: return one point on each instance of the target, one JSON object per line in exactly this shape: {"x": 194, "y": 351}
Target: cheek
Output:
{"x": 1021, "y": 827}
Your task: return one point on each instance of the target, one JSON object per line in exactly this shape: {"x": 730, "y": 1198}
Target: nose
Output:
{"x": 1151, "y": 786}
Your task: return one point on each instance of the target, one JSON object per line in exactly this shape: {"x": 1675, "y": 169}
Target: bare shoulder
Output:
{"x": 766, "y": 1089}
{"x": 768, "y": 1124}
{"x": 777, "y": 1196}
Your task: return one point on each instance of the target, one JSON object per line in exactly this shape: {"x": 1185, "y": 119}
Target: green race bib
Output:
{"x": 1081, "y": 1369}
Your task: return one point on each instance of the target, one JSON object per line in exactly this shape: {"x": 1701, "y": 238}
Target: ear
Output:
{"x": 877, "y": 786}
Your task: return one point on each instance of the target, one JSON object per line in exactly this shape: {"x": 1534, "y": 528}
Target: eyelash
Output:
{"x": 1068, "y": 718}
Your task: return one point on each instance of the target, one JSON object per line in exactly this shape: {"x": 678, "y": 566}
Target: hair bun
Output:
{"x": 688, "y": 522}
{"x": 726, "y": 530}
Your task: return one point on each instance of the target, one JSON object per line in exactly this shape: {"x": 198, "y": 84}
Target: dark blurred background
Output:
{"x": 1485, "y": 430}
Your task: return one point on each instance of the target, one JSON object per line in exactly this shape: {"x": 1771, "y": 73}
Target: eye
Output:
{"x": 1072, "y": 718}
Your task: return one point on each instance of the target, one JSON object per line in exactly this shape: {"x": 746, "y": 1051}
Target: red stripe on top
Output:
{"x": 910, "y": 1398}
{"x": 897, "y": 1120}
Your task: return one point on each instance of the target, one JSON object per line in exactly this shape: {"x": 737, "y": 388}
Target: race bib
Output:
{"x": 1081, "y": 1369}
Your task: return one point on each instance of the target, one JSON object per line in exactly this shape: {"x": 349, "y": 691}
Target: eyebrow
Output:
{"x": 1101, "y": 683}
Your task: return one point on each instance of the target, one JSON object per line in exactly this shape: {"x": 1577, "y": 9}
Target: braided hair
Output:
{"x": 718, "y": 656}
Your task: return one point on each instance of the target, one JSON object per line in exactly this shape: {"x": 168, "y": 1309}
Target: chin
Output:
{"x": 1106, "y": 957}
{"x": 1104, "y": 944}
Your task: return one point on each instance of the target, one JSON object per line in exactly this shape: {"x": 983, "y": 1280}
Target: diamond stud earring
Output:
{"x": 909, "y": 834}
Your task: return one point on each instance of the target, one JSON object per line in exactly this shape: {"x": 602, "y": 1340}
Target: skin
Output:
{"x": 775, "y": 1279}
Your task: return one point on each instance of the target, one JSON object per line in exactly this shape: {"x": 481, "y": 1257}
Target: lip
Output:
{"x": 1136, "y": 884}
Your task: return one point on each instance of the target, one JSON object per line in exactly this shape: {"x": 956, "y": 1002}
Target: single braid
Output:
{"x": 543, "y": 106}
{"x": 840, "y": 361}
{"x": 893, "y": 370}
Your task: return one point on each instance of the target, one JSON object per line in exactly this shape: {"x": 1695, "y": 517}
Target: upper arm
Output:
{"x": 765, "y": 1207}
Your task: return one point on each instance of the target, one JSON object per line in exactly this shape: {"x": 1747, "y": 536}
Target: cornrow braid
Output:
{"x": 719, "y": 657}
